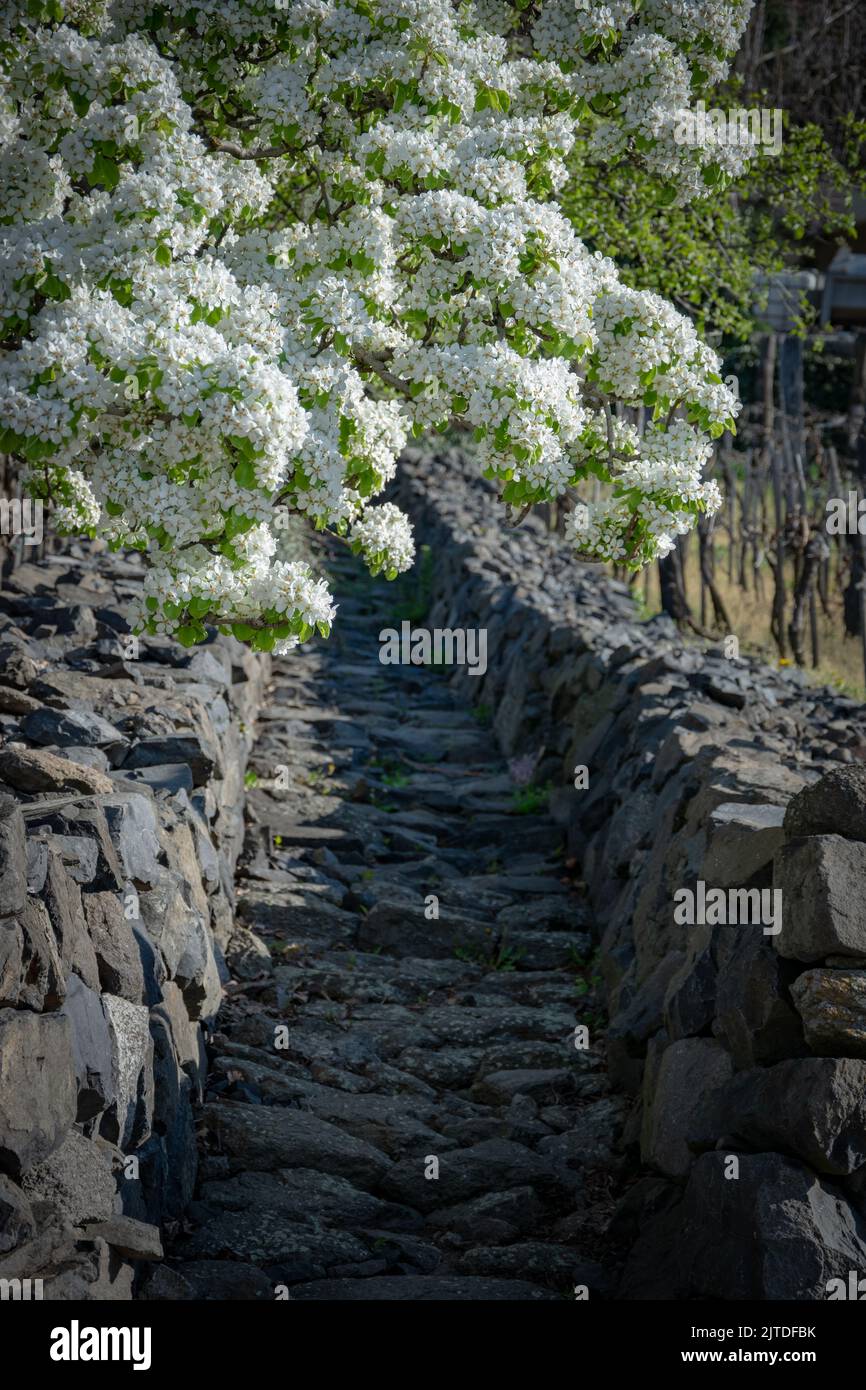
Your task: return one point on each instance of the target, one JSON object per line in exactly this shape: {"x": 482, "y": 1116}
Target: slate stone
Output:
{"x": 78, "y": 854}
{"x": 118, "y": 958}
{"x": 13, "y": 858}
{"x": 72, "y": 726}
{"x": 42, "y": 978}
{"x": 70, "y": 819}
{"x": 11, "y": 962}
{"x": 823, "y": 903}
{"x": 91, "y": 1049}
{"x": 133, "y": 828}
{"x": 62, "y": 897}
{"x": 181, "y": 934}
{"x": 36, "y": 770}
{"x": 170, "y": 777}
{"x": 37, "y": 1087}
{"x": 175, "y": 748}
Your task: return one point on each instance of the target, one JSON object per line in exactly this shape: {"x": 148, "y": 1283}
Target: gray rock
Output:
{"x": 741, "y": 840}
{"x": 131, "y": 1059}
{"x": 211, "y": 1280}
{"x": 402, "y": 929}
{"x": 117, "y": 954}
{"x": 632, "y": 1026}
{"x": 545, "y": 1086}
{"x": 37, "y": 1087}
{"x": 834, "y": 805}
{"x": 133, "y": 827}
{"x": 591, "y": 1140}
{"x": 270, "y": 1137}
{"x": 62, "y": 897}
{"x": 777, "y": 1233}
{"x": 135, "y": 1240}
{"x": 35, "y": 770}
{"x": 301, "y": 1195}
{"x": 177, "y": 928}
{"x": 64, "y": 817}
{"x": 42, "y": 978}
{"x": 556, "y": 1266}
{"x": 690, "y": 998}
{"x": 823, "y": 905}
{"x": 674, "y": 1092}
{"x": 493, "y": 1217}
{"x": 11, "y": 963}
{"x": 77, "y": 1180}
{"x": 811, "y": 1107}
{"x": 17, "y": 1222}
{"x": 170, "y": 777}
{"x": 70, "y": 726}
{"x": 92, "y": 1050}
{"x": 754, "y": 1014}
{"x": 467, "y": 1173}
{"x": 832, "y": 1005}
{"x": 13, "y": 858}
{"x": 174, "y": 748}
{"x": 421, "y": 1289}
{"x": 259, "y": 1236}
{"x": 78, "y": 854}
{"x": 247, "y": 955}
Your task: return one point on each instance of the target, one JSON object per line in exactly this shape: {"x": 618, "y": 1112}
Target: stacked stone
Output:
{"x": 121, "y": 818}
{"x": 735, "y": 1042}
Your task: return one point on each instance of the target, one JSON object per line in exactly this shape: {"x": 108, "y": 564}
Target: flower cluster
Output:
{"x": 248, "y": 250}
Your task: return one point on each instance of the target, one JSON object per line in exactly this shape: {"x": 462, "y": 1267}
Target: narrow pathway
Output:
{"x": 399, "y": 1106}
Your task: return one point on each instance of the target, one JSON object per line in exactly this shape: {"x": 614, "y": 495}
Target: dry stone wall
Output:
{"x": 740, "y": 1042}
{"x": 121, "y": 818}
{"x": 740, "y": 1045}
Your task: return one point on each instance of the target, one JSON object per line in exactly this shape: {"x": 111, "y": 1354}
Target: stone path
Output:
{"x": 397, "y": 1107}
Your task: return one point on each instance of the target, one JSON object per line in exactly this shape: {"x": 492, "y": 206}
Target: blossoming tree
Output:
{"x": 250, "y": 247}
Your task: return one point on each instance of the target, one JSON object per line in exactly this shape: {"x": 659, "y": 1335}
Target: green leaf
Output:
{"x": 244, "y": 473}
{"x": 105, "y": 172}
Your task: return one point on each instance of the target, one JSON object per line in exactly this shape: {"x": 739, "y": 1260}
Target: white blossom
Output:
{"x": 244, "y": 257}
